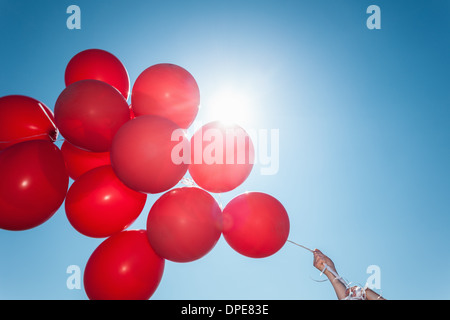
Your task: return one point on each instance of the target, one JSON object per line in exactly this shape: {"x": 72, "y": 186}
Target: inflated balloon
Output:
{"x": 88, "y": 114}
{"x": 24, "y": 118}
{"x": 222, "y": 156}
{"x": 184, "y": 224}
{"x": 123, "y": 267}
{"x": 98, "y": 65}
{"x": 255, "y": 224}
{"x": 169, "y": 91}
{"x": 33, "y": 184}
{"x": 144, "y": 154}
{"x": 98, "y": 204}
{"x": 79, "y": 161}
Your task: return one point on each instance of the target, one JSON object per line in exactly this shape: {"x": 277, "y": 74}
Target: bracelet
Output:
{"x": 337, "y": 277}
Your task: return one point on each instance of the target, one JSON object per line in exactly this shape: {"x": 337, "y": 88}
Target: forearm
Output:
{"x": 371, "y": 295}
{"x": 337, "y": 284}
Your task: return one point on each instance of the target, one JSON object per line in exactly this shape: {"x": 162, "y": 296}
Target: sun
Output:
{"x": 229, "y": 105}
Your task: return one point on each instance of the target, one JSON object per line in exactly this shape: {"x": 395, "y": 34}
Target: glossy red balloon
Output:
{"x": 222, "y": 156}
{"x": 169, "y": 91}
{"x": 255, "y": 224}
{"x": 79, "y": 161}
{"x": 100, "y": 65}
{"x": 33, "y": 184}
{"x": 142, "y": 154}
{"x": 88, "y": 114}
{"x": 184, "y": 224}
{"x": 123, "y": 267}
{"x": 22, "y": 119}
{"x": 98, "y": 204}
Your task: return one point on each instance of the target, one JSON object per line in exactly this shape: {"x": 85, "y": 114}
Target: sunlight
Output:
{"x": 229, "y": 105}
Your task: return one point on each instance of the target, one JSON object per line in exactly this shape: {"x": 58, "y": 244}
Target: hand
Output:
{"x": 320, "y": 260}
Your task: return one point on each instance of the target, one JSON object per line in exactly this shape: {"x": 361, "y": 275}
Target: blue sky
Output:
{"x": 363, "y": 118}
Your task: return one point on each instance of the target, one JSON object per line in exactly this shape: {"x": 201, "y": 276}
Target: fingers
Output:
{"x": 319, "y": 259}
{"x": 318, "y": 254}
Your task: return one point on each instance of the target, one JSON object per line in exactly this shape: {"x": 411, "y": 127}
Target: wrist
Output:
{"x": 330, "y": 273}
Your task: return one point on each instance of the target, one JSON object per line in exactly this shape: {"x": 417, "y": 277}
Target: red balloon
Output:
{"x": 100, "y": 65}
{"x": 144, "y": 157}
{"x": 169, "y": 91}
{"x": 123, "y": 267}
{"x": 255, "y": 224}
{"x": 22, "y": 119}
{"x": 184, "y": 224}
{"x": 79, "y": 161}
{"x": 222, "y": 156}
{"x": 98, "y": 204}
{"x": 88, "y": 114}
{"x": 33, "y": 184}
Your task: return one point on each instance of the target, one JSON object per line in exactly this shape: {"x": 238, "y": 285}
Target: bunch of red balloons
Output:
{"x": 117, "y": 154}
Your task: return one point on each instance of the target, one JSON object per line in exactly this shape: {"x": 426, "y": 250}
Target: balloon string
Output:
{"x": 48, "y": 117}
{"x": 310, "y": 250}
{"x": 24, "y": 138}
{"x": 299, "y": 245}
{"x": 337, "y": 277}
{"x": 187, "y": 182}
{"x": 40, "y": 134}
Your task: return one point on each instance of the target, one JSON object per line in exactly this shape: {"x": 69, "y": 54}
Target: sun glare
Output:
{"x": 229, "y": 105}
